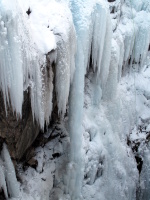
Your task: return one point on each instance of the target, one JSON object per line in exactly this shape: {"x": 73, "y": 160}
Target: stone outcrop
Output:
{"x": 19, "y": 134}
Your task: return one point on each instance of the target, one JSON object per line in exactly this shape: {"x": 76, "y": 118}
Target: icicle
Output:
{"x": 129, "y": 38}
{"x": 99, "y": 32}
{"x": 121, "y": 56}
{"x": 120, "y": 43}
{"x": 37, "y": 93}
{"x": 106, "y": 52}
{"x": 66, "y": 48}
{"x": 142, "y": 38}
{"x": 2, "y": 179}
{"x": 11, "y": 76}
{"x": 10, "y": 175}
{"x": 111, "y": 85}
{"x": 135, "y": 30}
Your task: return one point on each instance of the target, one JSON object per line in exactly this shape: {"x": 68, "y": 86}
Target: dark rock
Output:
{"x": 19, "y": 133}
{"x": 33, "y": 163}
{"x": 139, "y": 163}
{"x": 111, "y": 0}
{"x": 28, "y": 11}
{"x": 56, "y": 155}
{"x": 2, "y": 195}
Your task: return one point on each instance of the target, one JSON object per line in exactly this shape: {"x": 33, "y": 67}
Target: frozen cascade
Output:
{"x": 135, "y": 29}
{"x": 91, "y": 21}
{"x": 109, "y": 168}
{"x": 8, "y": 176}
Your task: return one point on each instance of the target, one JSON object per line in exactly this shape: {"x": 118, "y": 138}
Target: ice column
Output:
{"x": 91, "y": 20}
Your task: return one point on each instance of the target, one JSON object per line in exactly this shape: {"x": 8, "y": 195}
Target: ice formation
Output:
{"x": 23, "y": 64}
{"x": 65, "y": 45}
{"x": 129, "y": 48}
{"x": 134, "y": 28}
{"x": 93, "y": 29}
{"x": 3, "y": 181}
{"x": 8, "y": 181}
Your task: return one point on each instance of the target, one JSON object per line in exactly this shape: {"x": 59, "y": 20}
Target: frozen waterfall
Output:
{"x": 93, "y": 29}
{"x": 83, "y": 56}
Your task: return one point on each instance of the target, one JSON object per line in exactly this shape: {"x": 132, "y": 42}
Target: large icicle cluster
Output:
{"x": 29, "y": 47}
{"x": 11, "y": 70}
{"x": 132, "y": 34}
{"x": 20, "y": 64}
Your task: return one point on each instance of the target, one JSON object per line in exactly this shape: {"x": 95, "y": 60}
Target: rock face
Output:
{"x": 19, "y": 134}
{"x": 2, "y": 196}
